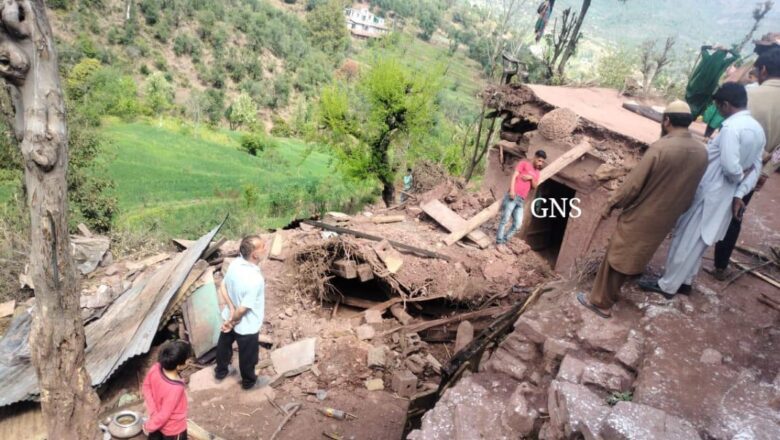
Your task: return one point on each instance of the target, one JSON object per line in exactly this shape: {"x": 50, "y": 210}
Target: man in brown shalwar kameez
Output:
{"x": 656, "y": 192}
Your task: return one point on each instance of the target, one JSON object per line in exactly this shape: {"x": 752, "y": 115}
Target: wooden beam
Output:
{"x": 414, "y": 328}
{"x": 564, "y": 160}
{"x": 547, "y": 172}
{"x": 380, "y": 219}
{"x": 346, "y": 269}
{"x": 400, "y": 246}
{"x": 758, "y": 275}
{"x": 448, "y": 219}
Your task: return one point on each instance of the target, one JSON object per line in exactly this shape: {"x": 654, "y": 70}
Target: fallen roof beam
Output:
{"x": 400, "y": 246}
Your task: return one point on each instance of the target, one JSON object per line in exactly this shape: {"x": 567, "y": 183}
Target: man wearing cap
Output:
{"x": 734, "y": 157}
{"x": 764, "y": 105}
{"x": 655, "y": 193}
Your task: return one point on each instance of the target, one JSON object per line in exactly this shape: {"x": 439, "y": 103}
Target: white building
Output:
{"x": 362, "y": 23}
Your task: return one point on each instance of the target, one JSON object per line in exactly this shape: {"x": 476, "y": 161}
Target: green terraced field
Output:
{"x": 171, "y": 180}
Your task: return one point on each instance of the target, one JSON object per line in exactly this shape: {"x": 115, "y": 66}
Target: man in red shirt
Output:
{"x": 525, "y": 177}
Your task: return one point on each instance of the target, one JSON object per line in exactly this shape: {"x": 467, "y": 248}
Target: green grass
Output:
{"x": 461, "y": 75}
{"x": 169, "y": 179}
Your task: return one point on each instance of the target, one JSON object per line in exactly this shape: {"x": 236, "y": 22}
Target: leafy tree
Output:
{"x": 159, "y": 93}
{"x": 615, "y": 68}
{"x": 242, "y": 113}
{"x": 213, "y": 105}
{"x": 429, "y": 20}
{"x": 328, "y": 28}
{"x": 366, "y": 121}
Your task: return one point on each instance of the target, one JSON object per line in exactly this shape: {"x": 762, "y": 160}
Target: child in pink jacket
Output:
{"x": 164, "y": 394}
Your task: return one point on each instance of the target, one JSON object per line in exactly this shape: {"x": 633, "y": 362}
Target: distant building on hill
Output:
{"x": 362, "y": 23}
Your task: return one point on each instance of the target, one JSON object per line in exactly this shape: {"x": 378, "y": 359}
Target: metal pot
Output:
{"x": 125, "y": 424}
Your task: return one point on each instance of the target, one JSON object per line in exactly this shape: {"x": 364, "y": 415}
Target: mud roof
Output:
{"x": 600, "y": 107}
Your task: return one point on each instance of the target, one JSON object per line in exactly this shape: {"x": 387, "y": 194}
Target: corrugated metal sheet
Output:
{"x": 124, "y": 331}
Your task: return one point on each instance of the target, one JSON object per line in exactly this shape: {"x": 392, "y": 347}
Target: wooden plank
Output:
{"x": 473, "y": 223}
{"x": 550, "y": 170}
{"x": 213, "y": 248}
{"x": 381, "y": 219}
{"x": 564, "y": 160}
{"x": 365, "y": 272}
{"x": 84, "y": 230}
{"x": 447, "y": 218}
{"x": 346, "y": 269}
{"x": 398, "y": 245}
{"x": 414, "y": 328}
{"x": 758, "y": 275}
{"x": 391, "y": 257}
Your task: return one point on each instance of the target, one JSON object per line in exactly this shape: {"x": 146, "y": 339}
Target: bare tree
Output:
{"x": 560, "y": 39}
{"x": 508, "y": 9}
{"x": 28, "y": 63}
{"x": 573, "y": 38}
{"x": 761, "y": 10}
{"x": 651, "y": 63}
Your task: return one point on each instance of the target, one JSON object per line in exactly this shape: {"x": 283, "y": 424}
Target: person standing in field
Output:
{"x": 734, "y": 161}
{"x": 673, "y": 165}
{"x": 525, "y": 177}
{"x": 244, "y": 294}
{"x": 164, "y": 393}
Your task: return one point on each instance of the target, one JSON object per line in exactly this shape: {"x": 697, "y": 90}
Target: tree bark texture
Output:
{"x": 28, "y": 63}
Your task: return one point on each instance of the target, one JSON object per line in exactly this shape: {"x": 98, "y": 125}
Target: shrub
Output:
{"x": 281, "y": 128}
{"x": 254, "y": 143}
{"x": 250, "y": 194}
{"x": 615, "y": 68}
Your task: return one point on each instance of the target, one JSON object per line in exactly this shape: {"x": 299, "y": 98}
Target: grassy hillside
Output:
{"x": 462, "y": 80}
{"x": 170, "y": 179}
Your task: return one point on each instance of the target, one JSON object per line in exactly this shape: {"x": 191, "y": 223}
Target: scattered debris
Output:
{"x": 375, "y": 385}
{"x": 389, "y": 256}
{"x": 381, "y": 219}
{"x": 376, "y": 357}
{"x": 464, "y": 335}
{"x": 297, "y": 355}
{"x": 290, "y": 413}
{"x": 88, "y": 252}
{"x": 365, "y": 332}
{"x": 7, "y": 308}
{"x": 277, "y": 247}
{"x": 404, "y": 383}
{"x": 452, "y": 221}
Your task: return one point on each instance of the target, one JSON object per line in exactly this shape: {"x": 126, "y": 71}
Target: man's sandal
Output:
{"x": 584, "y": 301}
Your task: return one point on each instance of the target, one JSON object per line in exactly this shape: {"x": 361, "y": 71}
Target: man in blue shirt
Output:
{"x": 243, "y": 290}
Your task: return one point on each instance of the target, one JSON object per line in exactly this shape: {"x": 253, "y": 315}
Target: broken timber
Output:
{"x": 452, "y": 221}
{"x": 547, "y": 172}
{"x": 756, "y": 274}
{"x": 400, "y": 246}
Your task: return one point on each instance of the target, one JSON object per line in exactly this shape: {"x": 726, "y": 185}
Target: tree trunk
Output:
{"x": 57, "y": 340}
{"x": 575, "y": 37}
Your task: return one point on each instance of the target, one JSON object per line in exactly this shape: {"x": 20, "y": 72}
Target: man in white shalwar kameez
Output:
{"x": 734, "y": 166}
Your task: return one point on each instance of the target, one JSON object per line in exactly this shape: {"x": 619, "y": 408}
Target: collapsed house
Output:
{"x": 556, "y": 119}
{"x": 657, "y": 369}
